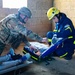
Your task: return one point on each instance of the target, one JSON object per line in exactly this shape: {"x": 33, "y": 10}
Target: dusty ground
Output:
{"x": 56, "y": 67}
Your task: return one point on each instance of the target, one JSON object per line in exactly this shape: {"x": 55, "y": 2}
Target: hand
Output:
{"x": 54, "y": 40}
{"x": 38, "y": 53}
{"x": 45, "y": 40}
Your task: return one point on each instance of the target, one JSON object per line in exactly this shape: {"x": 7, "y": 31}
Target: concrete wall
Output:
{"x": 66, "y": 6}
{"x": 39, "y": 22}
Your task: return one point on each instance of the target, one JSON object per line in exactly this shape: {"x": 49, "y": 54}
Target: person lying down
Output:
{"x": 39, "y": 48}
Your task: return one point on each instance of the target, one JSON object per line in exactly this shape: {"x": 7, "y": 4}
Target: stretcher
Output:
{"x": 46, "y": 54}
{"x": 15, "y": 68}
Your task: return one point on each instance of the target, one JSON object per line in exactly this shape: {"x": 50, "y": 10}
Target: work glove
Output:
{"x": 54, "y": 39}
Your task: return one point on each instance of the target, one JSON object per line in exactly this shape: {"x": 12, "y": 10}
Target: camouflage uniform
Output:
{"x": 11, "y": 27}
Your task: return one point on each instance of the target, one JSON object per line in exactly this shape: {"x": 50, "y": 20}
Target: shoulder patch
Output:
{"x": 67, "y": 26}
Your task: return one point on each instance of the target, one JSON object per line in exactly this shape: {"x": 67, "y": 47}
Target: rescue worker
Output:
{"x": 13, "y": 29}
{"x": 63, "y": 29}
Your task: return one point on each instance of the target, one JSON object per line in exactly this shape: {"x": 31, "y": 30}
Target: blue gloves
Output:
{"x": 54, "y": 39}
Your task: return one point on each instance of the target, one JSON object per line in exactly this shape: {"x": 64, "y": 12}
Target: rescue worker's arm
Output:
{"x": 66, "y": 32}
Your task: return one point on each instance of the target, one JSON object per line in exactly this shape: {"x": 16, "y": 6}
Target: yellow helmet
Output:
{"x": 52, "y": 12}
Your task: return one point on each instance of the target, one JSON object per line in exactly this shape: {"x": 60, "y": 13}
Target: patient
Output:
{"x": 39, "y": 48}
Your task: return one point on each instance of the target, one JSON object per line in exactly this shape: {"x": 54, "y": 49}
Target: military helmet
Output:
{"x": 25, "y": 11}
{"x": 52, "y": 12}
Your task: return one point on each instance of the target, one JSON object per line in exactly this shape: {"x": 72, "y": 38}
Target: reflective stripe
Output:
{"x": 34, "y": 58}
{"x": 49, "y": 40}
{"x": 31, "y": 56}
{"x": 63, "y": 55}
{"x": 74, "y": 42}
{"x": 69, "y": 28}
{"x": 24, "y": 51}
{"x": 70, "y": 37}
{"x": 58, "y": 30}
{"x": 54, "y": 30}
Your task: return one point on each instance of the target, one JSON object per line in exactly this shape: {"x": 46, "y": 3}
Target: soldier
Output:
{"x": 13, "y": 30}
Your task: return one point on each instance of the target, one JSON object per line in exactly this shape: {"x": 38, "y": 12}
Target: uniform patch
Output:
{"x": 67, "y": 26}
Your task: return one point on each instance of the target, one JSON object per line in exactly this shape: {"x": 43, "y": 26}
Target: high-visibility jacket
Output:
{"x": 64, "y": 29}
